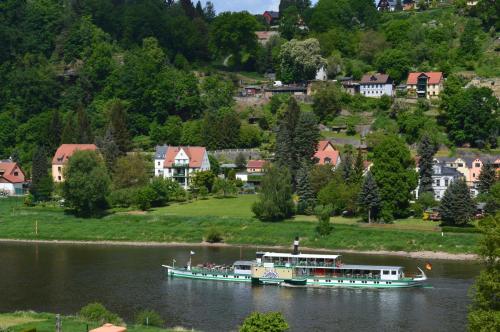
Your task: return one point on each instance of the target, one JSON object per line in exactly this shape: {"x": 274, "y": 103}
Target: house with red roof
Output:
{"x": 180, "y": 162}
{"x": 326, "y": 154}
{"x": 256, "y": 166}
{"x": 62, "y": 155}
{"x": 425, "y": 84}
{"x": 271, "y": 17}
{"x": 12, "y": 178}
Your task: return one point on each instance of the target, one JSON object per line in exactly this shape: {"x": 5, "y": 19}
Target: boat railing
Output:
{"x": 213, "y": 269}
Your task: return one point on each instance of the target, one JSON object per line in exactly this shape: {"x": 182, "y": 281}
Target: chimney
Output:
{"x": 296, "y": 246}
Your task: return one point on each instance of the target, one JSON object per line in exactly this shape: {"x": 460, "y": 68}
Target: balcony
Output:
{"x": 180, "y": 165}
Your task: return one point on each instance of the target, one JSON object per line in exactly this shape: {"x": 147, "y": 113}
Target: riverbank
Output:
{"x": 416, "y": 254}
{"x": 45, "y": 322}
{"x": 189, "y": 224}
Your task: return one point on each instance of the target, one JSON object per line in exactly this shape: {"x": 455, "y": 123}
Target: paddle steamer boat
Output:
{"x": 297, "y": 269}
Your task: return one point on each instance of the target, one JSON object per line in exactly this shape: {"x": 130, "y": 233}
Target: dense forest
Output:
{"x": 76, "y": 71}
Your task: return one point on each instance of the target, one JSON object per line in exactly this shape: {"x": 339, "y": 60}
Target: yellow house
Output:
{"x": 62, "y": 155}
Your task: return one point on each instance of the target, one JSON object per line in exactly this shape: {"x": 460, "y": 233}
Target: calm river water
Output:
{"x": 63, "y": 278}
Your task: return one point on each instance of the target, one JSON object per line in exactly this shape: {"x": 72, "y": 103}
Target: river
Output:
{"x": 62, "y": 278}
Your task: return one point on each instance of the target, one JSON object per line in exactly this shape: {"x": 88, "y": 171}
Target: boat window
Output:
{"x": 386, "y": 272}
{"x": 393, "y": 272}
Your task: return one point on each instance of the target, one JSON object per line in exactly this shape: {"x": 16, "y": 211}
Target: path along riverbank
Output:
{"x": 412, "y": 254}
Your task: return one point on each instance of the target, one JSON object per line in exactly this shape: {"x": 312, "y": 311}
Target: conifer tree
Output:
{"x": 56, "y": 129}
{"x": 457, "y": 206}
{"x": 307, "y": 200}
{"x": 118, "y": 127}
{"x": 41, "y": 185}
{"x": 359, "y": 167}
{"x": 285, "y": 154}
{"x": 487, "y": 178}
{"x": 68, "y": 135}
{"x": 346, "y": 166}
{"x": 297, "y": 138}
{"x": 275, "y": 200}
{"x": 83, "y": 128}
{"x": 109, "y": 149}
{"x": 369, "y": 197}
{"x": 426, "y": 152}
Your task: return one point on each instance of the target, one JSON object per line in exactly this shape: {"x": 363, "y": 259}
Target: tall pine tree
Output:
{"x": 346, "y": 166}
{"x": 41, "y": 185}
{"x": 118, "y": 126}
{"x": 369, "y": 197}
{"x": 359, "y": 166}
{"x": 487, "y": 178}
{"x": 109, "y": 149}
{"x": 84, "y": 133}
{"x": 426, "y": 151}
{"x": 68, "y": 135}
{"x": 56, "y": 129}
{"x": 297, "y": 138}
{"x": 307, "y": 199}
{"x": 457, "y": 206}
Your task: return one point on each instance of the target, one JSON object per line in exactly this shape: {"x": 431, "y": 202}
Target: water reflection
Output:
{"x": 63, "y": 278}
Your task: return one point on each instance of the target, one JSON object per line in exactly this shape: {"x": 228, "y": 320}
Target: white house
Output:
{"x": 442, "y": 177}
{"x": 180, "y": 162}
{"x": 12, "y": 178}
{"x": 376, "y": 85}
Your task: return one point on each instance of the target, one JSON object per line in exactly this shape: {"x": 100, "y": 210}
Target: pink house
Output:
{"x": 326, "y": 154}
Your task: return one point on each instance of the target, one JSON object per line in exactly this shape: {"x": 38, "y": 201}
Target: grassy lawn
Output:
{"x": 190, "y": 223}
{"x": 239, "y": 207}
{"x": 45, "y": 322}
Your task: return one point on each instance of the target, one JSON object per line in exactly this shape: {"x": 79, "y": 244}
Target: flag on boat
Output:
{"x": 192, "y": 252}
{"x": 173, "y": 260}
{"x": 428, "y": 266}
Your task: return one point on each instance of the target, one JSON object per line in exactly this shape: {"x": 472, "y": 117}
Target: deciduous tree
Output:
{"x": 275, "y": 201}
{"x": 86, "y": 183}
{"x": 300, "y": 60}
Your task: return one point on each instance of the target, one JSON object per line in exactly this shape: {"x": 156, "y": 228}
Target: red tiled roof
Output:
{"x": 194, "y": 153}
{"x": 322, "y": 154}
{"x": 9, "y": 169}
{"x": 65, "y": 151}
{"x": 434, "y": 77}
{"x": 256, "y": 163}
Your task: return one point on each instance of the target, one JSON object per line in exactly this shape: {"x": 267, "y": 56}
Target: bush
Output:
{"x": 203, "y": 192}
{"x": 261, "y": 322}
{"x": 323, "y": 214}
{"x": 145, "y": 198}
{"x": 149, "y": 318}
{"x": 122, "y": 197}
{"x": 213, "y": 236}
{"x": 96, "y": 312}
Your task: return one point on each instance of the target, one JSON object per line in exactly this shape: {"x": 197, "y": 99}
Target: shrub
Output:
{"x": 271, "y": 321}
{"x": 203, "y": 192}
{"x": 149, "y": 318}
{"x": 96, "y": 312}
{"x": 145, "y": 198}
{"x": 213, "y": 236}
{"x": 323, "y": 214}
{"x": 122, "y": 197}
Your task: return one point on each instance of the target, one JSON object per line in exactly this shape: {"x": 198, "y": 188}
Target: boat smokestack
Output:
{"x": 296, "y": 246}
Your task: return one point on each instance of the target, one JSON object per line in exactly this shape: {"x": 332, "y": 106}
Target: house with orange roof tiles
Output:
{"x": 179, "y": 163}
{"x": 12, "y": 178}
{"x": 326, "y": 154}
{"x": 62, "y": 155}
{"x": 425, "y": 84}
